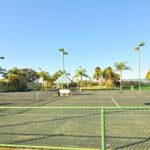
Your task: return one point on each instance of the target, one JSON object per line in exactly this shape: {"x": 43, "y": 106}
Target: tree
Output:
{"x": 30, "y": 75}
{"x": 2, "y": 71}
{"x": 44, "y": 76}
{"x": 80, "y": 73}
{"x": 148, "y": 75}
{"x": 108, "y": 73}
{"x": 16, "y": 80}
{"x": 121, "y": 66}
{"x": 98, "y": 74}
{"x": 110, "y": 76}
{"x": 56, "y": 75}
{"x": 27, "y": 74}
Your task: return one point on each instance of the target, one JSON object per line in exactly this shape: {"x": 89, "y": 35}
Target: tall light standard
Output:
{"x": 139, "y": 59}
{"x": 64, "y": 53}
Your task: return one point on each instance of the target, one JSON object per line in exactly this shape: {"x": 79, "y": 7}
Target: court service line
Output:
{"x": 115, "y": 102}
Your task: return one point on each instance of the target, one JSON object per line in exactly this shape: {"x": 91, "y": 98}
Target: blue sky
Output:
{"x": 94, "y": 32}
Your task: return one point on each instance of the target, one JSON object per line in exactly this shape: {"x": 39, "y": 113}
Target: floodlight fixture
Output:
{"x": 141, "y": 44}
{"x": 2, "y": 57}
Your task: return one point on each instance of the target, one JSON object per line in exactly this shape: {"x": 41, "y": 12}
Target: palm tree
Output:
{"x": 121, "y": 66}
{"x": 108, "y": 73}
{"x": 56, "y": 75}
{"x": 2, "y": 71}
{"x": 148, "y": 75}
{"x": 44, "y": 76}
{"x": 109, "y": 76}
{"x": 80, "y": 73}
{"x": 67, "y": 73}
{"x": 98, "y": 74}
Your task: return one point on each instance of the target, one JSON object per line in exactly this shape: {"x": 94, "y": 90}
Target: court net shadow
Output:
{"x": 82, "y": 94}
{"x": 147, "y": 104}
{"x": 3, "y": 104}
{"x": 138, "y": 141}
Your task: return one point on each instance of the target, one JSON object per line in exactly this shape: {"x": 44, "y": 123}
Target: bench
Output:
{"x": 64, "y": 92}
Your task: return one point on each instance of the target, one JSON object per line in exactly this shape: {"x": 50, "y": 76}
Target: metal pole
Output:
{"x": 63, "y": 59}
{"x": 138, "y": 49}
{"x": 63, "y": 71}
{"x": 63, "y": 62}
{"x": 103, "y": 146}
{"x": 139, "y": 73}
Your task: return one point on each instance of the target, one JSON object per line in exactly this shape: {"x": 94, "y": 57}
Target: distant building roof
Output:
{"x": 136, "y": 80}
{"x": 63, "y": 79}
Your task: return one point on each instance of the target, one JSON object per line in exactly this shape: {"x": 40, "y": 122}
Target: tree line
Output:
{"x": 17, "y": 79}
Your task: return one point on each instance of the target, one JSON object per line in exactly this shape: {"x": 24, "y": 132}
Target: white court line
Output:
{"x": 115, "y": 102}
{"x": 128, "y": 115}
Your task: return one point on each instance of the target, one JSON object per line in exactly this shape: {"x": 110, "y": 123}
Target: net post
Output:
{"x": 103, "y": 144}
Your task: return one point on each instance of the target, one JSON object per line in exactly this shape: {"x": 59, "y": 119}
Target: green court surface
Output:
{"x": 44, "y": 120}
{"x": 83, "y": 98}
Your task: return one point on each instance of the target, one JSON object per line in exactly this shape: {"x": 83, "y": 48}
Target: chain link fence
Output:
{"x": 127, "y": 129}
{"x": 84, "y": 128}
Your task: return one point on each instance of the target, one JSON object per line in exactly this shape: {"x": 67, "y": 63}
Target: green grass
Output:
{"x": 146, "y": 88}
{"x": 97, "y": 88}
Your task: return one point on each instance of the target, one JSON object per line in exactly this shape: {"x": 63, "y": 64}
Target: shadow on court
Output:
{"x": 147, "y": 104}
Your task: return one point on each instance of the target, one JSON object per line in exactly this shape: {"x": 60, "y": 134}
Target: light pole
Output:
{"x": 64, "y": 53}
{"x": 139, "y": 60}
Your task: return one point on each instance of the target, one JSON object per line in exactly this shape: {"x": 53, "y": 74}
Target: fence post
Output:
{"x": 103, "y": 144}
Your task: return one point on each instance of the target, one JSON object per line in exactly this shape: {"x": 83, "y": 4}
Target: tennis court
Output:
{"x": 45, "y": 121}
{"x": 80, "y": 98}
